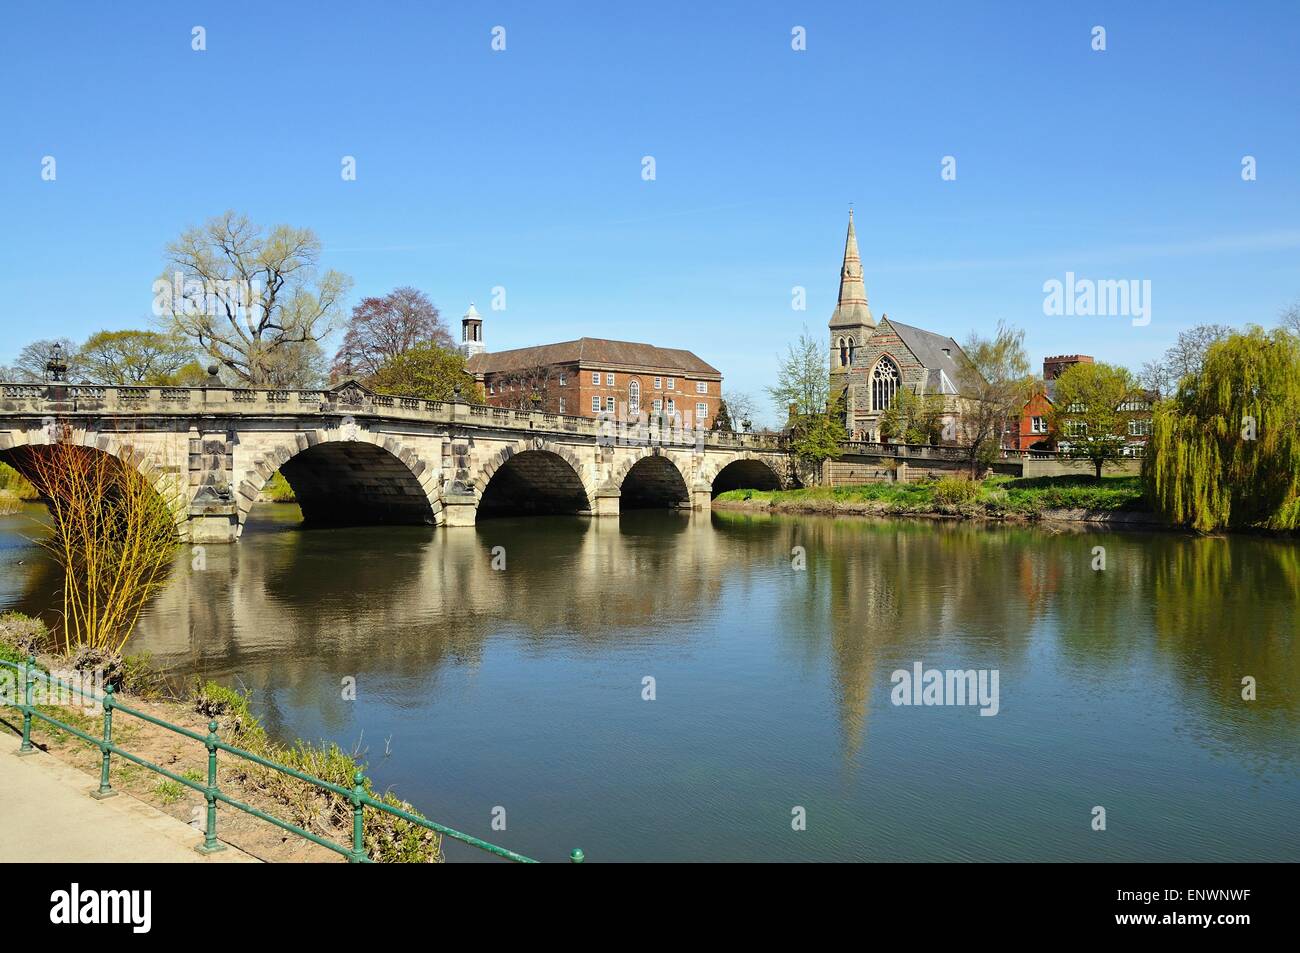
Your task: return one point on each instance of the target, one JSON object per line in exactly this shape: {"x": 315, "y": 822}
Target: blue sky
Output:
{"x": 522, "y": 168}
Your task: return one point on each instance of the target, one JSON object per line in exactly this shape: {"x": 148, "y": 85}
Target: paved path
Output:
{"x": 47, "y": 814}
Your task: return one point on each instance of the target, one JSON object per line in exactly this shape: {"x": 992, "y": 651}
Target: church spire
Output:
{"x": 852, "y": 309}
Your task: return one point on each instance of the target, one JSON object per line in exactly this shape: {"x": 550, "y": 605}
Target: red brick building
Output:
{"x": 592, "y": 377}
{"x": 1032, "y": 431}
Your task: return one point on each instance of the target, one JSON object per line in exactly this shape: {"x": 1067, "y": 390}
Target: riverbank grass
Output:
{"x": 387, "y": 838}
{"x": 998, "y": 496}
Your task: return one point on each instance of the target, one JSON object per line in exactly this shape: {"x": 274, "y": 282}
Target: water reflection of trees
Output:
{"x": 297, "y": 610}
{"x": 894, "y": 592}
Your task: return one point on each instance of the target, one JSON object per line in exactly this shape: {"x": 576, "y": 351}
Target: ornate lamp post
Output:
{"x": 56, "y": 368}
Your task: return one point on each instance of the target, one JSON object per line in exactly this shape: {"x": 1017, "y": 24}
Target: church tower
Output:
{"x": 852, "y": 323}
{"x": 471, "y": 332}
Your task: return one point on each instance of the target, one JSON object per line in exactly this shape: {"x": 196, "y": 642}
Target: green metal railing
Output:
{"x": 211, "y": 791}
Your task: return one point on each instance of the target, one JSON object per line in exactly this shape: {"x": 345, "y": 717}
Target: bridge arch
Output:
{"x": 745, "y": 471}
{"x": 22, "y": 451}
{"x": 346, "y": 479}
{"x": 652, "y": 480}
{"x": 532, "y": 477}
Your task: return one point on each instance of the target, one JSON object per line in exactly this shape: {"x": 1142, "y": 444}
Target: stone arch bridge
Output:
{"x": 353, "y": 456}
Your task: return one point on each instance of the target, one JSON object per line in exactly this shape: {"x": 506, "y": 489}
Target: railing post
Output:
{"x": 29, "y": 677}
{"x": 576, "y": 856}
{"x": 358, "y": 854}
{"x": 210, "y": 843}
{"x": 105, "y": 790}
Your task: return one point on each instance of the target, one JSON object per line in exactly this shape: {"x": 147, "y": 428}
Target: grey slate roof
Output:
{"x": 928, "y": 348}
{"x": 594, "y": 352}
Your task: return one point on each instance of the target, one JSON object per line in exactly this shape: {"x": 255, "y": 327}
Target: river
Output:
{"x": 522, "y": 691}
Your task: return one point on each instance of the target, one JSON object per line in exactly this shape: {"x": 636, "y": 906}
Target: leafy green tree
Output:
{"x": 1091, "y": 411}
{"x": 133, "y": 357}
{"x": 819, "y": 436}
{"x": 913, "y": 417}
{"x": 426, "y": 371}
{"x": 722, "y": 419}
{"x": 1225, "y": 451}
{"x": 802, "y": 379}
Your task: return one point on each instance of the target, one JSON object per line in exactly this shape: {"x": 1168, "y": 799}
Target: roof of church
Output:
{"x": 852, "y": 309}
{"x": 593, "y": 352}
{"x": 937, "y": 352}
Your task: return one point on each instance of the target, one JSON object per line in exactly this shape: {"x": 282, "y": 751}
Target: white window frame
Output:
{"x": 1037, "y": 425}
{"x": 701, "y": 387}
{"x": 659, "y": 405}
{"x": 609, "y": 379}
{"x": 595, "y": 404}
{"x": 659, "y": 383}
{"x": 595, "y": 378}
{"x": 701, "y": 411}
{"x": 672, "y": 383}
{"x": 561, "y": 405}
{"x": 609, "y": 405}
{"x": 672, "y": 407}
{"x": 563, "y": 380}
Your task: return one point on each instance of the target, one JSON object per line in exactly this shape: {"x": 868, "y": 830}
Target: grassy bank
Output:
{"x": 326, "y": 814}
{"x": 994, "y": 498}
{"x": 14, "y": 490}
{"x": 278, "y": 490}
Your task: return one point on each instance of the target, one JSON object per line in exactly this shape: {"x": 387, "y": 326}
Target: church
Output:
{"x": 871, "y": 361}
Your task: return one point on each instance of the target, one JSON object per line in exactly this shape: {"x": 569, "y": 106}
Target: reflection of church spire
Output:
{"x": 852, "y": 309}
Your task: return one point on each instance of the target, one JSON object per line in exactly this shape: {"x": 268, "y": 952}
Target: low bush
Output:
{"x": 954, "y": 491}
{"x": 23, "y": 634}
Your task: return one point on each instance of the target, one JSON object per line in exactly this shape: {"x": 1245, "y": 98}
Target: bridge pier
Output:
{"x": 459, "y": 508}
{"x": 215, "y": 525}
{"x": 701, "y": 497}
{"x": 606, "y": 502}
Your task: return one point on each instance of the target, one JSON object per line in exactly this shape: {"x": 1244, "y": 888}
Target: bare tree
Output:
{"x": 994, "y": 382}
{"x": 299, "y": 365}
{"x": 1290, "y": 318}
{"x": 1187, "y": 354}
{"x": 242, "y": 293}
{"x": 741, "y": 407}
{"x": 528, "y": 388}
{"x": 381, "y": 329}
{"x": 31, "y": 361}
{"x": 1157, "y": 377}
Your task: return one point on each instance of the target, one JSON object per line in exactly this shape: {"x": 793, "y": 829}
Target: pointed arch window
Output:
{"x": 852, "y": 348}
{"x": 844, "y": 352}
{"x": 884, "y": 384}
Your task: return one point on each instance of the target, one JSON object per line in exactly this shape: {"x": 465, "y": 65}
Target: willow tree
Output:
{"x": 1225, "y": 451}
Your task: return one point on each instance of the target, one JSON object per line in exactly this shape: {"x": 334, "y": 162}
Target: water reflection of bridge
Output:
{"x": 876, "y": 596}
